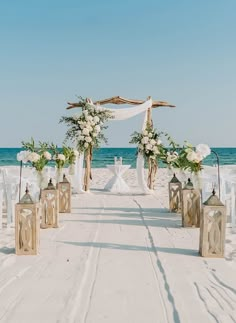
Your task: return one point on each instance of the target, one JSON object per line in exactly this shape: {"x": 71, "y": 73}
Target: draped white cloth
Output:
{"x": 127, "y": 113}
{"x": 77, "y": 178}
{"x": 119, "y": 114}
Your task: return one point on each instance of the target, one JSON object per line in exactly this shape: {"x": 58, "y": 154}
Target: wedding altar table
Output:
{"x": 117, "y": 184}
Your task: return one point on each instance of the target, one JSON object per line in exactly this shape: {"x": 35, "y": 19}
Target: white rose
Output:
{"x": 97, "y": 128}
{"x": 150, "y": 135}
{"x": 198, "y": 157}
{"x": 89, "y": 128}
{"x": 88, "y": 139}
{"x": 33, "y": 157}
{"x": 145, "y": 133}
{"x": 47, "y": 155}
{"x": 61, "y": 157}
{"x": 90, "y": 118}
{"x": 191, "y": 156}
{"x": 85, "y": 131}
{"x": 203, "y": 149}
{"x": 153, "y": 142}
{"x": 80, "y": 138}
{"x": 23, "y": 156}
{"x": 156, "y": 150}
{"x": 144, "y": 140}
{"x": 86, "y": 145}
{"x": 96, "y": 119}
{"x": 149, "y": 147}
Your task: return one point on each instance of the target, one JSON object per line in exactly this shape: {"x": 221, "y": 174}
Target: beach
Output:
{"x": 118, "y": 258}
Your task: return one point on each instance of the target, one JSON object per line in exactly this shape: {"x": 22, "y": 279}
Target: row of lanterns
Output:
{"x": 54, "y": 200}
{"x": 209, "y": 216}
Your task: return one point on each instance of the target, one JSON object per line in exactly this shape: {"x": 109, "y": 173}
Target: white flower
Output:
{"x": 61, "y": 157}
{"x": 203, "y": 149}
{"x": 23, "y": 156}
{"x": 144, "y": 140}
{"x": 199, "y": 157}
{"x": 33, "y": 157}
{"x": 86, "y": 145}
{"x": 171, "y": 157}
{"x": 97, "y": 128}
{"x": 156, "y": 150}
{"x": 145, "y": 133}
{"x": 85, "y": 131}
{"x": 76, "y": 153}
{"x": 81, "y": 138}
{"x": 94, "y": 134}
{"x": 149, "y": 147}
{"x": 153, "y": 142}
{"x": 150, "y": 135}
{"x": 88, "y": 139}
{"x": 96, "y": 119}
{"x": 47, "y": 155}
{"x": 89, "y": 118}
{"x": 192, "y": 156}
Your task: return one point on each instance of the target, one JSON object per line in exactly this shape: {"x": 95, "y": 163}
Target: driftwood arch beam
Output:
{"x": 120, "y": 100}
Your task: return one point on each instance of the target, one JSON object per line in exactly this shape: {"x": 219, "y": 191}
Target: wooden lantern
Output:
{"x": 175, "y": 194}
{"x": 49, "y": 207}
{"x": 64, "y": 189}
{"x": 191, "y": 206}
{"x": 27, "y": 226}
{"x": 212, "y": 228}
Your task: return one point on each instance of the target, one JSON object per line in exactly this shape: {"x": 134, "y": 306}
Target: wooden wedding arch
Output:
{"x": 119, "y": 100}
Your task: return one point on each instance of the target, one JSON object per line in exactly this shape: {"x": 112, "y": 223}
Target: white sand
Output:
{"x": 118, "y": 259}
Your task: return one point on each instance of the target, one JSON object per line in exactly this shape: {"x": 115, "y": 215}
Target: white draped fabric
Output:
{"x": 119, "y": 114}
{"x": 77, "y": 178}
{"x": 127, "y": 113}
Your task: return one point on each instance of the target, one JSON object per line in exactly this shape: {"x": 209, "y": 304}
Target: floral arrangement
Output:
{"x": 70, "y": 154}
{"x": 37, "y": 156}
{"x": 149, "y": 143}
{"x": 188, "y": 157}
{"x": 86, "y": 129}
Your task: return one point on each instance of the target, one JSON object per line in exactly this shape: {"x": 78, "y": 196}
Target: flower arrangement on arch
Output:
{"x": 149, "y": 143}
{"x": 38, "y": 157}
{"x": 86, "y": 129}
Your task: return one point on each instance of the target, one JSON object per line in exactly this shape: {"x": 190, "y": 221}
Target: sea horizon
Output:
{"x": 105, "y": 156}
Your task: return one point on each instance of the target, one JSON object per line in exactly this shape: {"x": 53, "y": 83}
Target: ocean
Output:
{"x": 105, "y": 156}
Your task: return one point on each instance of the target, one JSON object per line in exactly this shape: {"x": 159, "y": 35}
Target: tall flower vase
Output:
{"x": 59, "y": 175}
{"x": 41, "y": 181}
{"x": 182, "y": 176}
{"x": 197, "y": 180}
{"x": 72, "y": 169}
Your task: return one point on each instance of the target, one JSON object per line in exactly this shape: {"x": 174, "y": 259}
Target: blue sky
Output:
{"x": 183, "y": 52}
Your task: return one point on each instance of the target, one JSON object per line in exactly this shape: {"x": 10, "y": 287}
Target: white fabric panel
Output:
{"x": 77, "y": 178}
{"x": 127, "y": 113}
